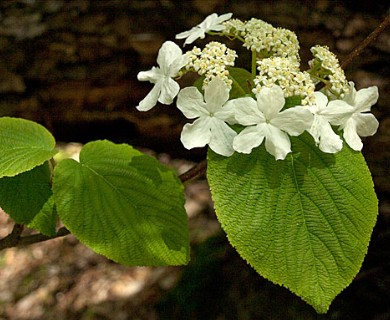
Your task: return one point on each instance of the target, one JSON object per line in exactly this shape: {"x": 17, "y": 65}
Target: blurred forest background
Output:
{"x": 72, "y": 66}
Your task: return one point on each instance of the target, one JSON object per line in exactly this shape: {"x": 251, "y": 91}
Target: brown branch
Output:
{"x": 14, "y": 239}
{"x": 195, "y": 172}
{"x": 366, "y": 42}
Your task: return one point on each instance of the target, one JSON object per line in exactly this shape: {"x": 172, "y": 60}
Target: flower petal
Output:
{"x": 190, "y": 103}
{"x": 366, "y": 124}
{"x": 167, "y": 54}
{"x": 184, "y": 34}
{"x": 192, "y": 35}
{"x": 220, "y": 19}
{"x": 247, "y": 111}
{"x": 249, "y": 138}
{"x": 324, "y": 136}
{"x": 351, "y": 137}
{"x": 169, "y": 90}
{"x": 208, "y": 22}
{"x": 277, "y": 143}
{"x": 197, "y": 134}
{"x": 321, "y": 100}
{"x": 294, "y": 120}
{"x": 216, "y": 94}
{"x": 222, "y": 137}
{"x": 151, "y": 99}
{"x": 177, "y": 65}
{"x": 337, "y": 112}
{"x": 153, "y": 75}
{"x": 227, "y": 113}
{"x": 365, "y": 98}
{"x": 211, "y": 22}
{"x": 270, "y": 101}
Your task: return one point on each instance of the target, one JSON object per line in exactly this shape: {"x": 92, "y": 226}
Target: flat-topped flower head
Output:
{"x": 213, "y": 22}
{"x": 212, "y": 112}
{"x": 268, "y": 41}
{"x": 265, "y": 121}
{"x": 326, "y": 114}
{"x": 212, "y": 62}
{"x": 358, "y": 122}
{"x": 285, "y": 73}
{"x": 170, "y": 60}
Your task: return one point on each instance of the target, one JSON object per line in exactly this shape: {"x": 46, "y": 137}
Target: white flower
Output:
{"x": 211, "y": 23}
{"x": 358, "y": 123}
{"x": 324, "y": 114}
{"x": 265, "y": 121}
{"x": 212, "y": 112}
{"x": 170, "y": 60}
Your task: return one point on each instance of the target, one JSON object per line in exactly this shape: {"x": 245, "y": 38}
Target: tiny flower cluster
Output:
{"x": 337, "y": 110}
{"x": 285, "y": 73}
{"x": 325, "y": 67}
{"x": 212, "y": 62}
{"x": 263, "y": 38}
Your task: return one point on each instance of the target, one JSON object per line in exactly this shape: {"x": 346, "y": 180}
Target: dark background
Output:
{"x": 72, "y": 66}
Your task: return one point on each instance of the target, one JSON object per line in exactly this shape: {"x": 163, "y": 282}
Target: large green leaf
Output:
{"x": 24, "y": 195}
{"x": 123, "y": 204}
{"x": 24, "y": 145}
{"x": 304, "y": 223}
{"x": 46, "y": 219}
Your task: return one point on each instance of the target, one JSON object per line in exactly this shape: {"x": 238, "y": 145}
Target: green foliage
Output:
{"x": 46, "y": 219}
{"x": 123, "y": 204}
{"x": 24, "y": 195}
{"x": 304, "y": 223}
{"x": 24, "y": 145}
{"x": 242, "y": 82}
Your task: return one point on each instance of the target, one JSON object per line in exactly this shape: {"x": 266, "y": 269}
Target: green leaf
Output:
{"x": 24, "y": 195}
{"x": 24, "y": 145}
{"x": 46, "y": 219}
{"x": 304, "y": 223}
{"x": 292, "y": 102}
{"x": 242, "y": 83}
{"x": 123, "y": 204}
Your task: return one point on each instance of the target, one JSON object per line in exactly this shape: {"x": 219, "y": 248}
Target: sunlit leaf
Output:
{"x": 304, "y": 222}
{"x": 123, "y": 204}
{"x": 24, "y": 145}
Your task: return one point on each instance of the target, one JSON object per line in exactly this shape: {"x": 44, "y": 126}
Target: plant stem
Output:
{"x": 366, "y": 42}
{"x": 195, "y": 172}
{"x": 15, "y": 240}
{"x": 254, "y": 56}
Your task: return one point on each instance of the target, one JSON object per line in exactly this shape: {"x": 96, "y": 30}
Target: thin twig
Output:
{"x": 366, "y": 42}
{"x": 195, "y": 172}
{"x": 14, "y": 239}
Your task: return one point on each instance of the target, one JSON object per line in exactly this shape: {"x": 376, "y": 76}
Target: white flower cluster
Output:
{"x": 325, "y": 67}
{"x": 263, "y": 38}
{"x": 285, "y": 73}
{"x": 337, "y": 111}
{"x": 212, "y": 62}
